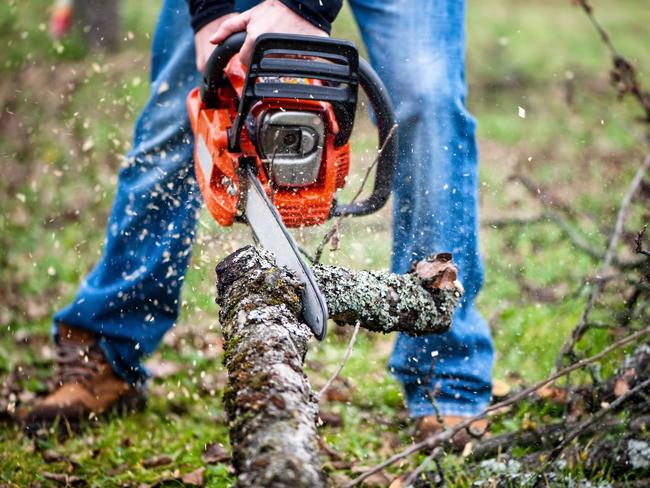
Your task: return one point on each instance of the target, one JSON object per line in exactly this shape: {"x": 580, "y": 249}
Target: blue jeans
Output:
{"x": 131, "y": 298}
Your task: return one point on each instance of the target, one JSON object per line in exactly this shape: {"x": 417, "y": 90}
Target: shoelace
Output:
{"x": 77, "y": 363}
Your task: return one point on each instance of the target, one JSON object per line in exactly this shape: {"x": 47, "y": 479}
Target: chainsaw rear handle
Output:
{"x": 342, "y": 72}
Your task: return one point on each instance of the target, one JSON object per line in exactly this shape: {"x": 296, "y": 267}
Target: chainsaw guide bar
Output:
{"x": 270, "y": 232}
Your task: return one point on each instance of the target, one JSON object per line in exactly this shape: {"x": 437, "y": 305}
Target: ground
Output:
{"x": 538, "y": 84}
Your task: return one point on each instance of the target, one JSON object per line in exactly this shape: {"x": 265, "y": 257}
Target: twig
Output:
{"x": 599, "y": 286}
{"x": 445, "y": 435}
{"x": 326, "y": 238}
{"x": 578, "y": 241}
{"x": 576, "y": 431}
{"x": 543, "y": 195}
{"x": 588, "y": 9}
{"x": 638, "y": 242}
{"x": 334, "y": 229}
{"x": 538, "y": 439}
{"x": 391, "y": 134}
{"x": 346, "y": 356}
{"x": 432, "y": 392}
{"x": 623, "y": 73}
{"x": 501, "y": 223}
{"x": 413, "y": 476}
{"x": 553, "y": 210}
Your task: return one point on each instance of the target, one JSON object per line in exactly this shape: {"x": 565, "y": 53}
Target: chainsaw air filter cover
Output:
{"x": 291, "y": 146}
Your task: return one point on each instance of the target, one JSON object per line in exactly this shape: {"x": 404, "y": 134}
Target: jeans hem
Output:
{"x": 445, "y": 409}
{"x": 135, "y": 375}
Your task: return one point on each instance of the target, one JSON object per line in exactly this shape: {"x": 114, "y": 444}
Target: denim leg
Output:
{"x": 130, "y": 299}
{"x": 417, "y": 47}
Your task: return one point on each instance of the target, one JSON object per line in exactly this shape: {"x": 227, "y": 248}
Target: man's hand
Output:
{"x": 269, "y": 16}
{"x": 202, "y": 40}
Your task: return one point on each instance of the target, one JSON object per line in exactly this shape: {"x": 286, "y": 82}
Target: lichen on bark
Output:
{"x": 422, "y": 301}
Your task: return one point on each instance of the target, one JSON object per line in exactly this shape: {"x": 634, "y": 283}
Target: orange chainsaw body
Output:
{"x": 217, "y": 169}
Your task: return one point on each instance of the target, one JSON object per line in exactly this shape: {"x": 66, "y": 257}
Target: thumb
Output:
{"x": 234, "y": 24}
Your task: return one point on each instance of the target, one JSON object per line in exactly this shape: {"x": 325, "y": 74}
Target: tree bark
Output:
{"x": 99, "y": 21}
{"x": 269, "y": 402}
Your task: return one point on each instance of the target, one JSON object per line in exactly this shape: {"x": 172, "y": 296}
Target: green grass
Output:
{"x": 66, "y": 121}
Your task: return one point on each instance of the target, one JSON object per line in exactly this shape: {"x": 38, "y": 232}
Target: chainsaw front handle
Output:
{"x": 278, "y": 56}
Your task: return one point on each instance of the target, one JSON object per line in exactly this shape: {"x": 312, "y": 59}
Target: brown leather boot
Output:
{"x": 86, "y": 384}
{"x": 429, "y": 426}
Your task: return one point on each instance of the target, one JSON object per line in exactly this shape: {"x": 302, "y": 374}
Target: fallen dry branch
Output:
{"x": 445, "y": 435}
{"x": 419, "y": 302}
{"x": 583, "y": 324}
{"x": 269, "y": 402}
{"x": 539, "y": 439}
{"x": 339, "y": 368}
{"x": 584, "y": 425}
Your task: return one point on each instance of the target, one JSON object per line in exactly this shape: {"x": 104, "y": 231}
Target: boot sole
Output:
{"x": 65, "y": 425}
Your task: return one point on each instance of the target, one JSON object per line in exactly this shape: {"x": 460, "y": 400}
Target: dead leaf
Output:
{"x": 337, "y": 465}
{"x": 622, "y": 384}
{"x": 120, "y": 468}
{"x": 329, "y": 450}
{"x": 215, "y": 453}
{"x": 339, "y": 391}
{"x": 36, "y": 307}
{"x": 64, "y": 479}
{"x": 330, "y": 419}
{"x": 437, "y": 271}
{"x": 339, "y": 479}
{"x": 379, "y": 480}
{"x": 161, "y": 368}
{"x": 399, "y": 481}
{"x": 500, "y": 389}
{"x": 157, "y": 461}
{"x": 389, "y": 442}
{"x": 195, "y": 478}
{"x": 552, "y": 393}
{"x": 51, "y": 456}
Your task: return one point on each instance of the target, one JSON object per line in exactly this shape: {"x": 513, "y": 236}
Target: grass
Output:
{"x": 67, "y": 118}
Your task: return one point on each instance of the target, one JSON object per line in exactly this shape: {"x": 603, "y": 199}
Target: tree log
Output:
{"x": 269, "y": 402}
{"x": 99, "y": 21}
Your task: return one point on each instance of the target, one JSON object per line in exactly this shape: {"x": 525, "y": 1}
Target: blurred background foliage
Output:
{"x": 67, "y": 115}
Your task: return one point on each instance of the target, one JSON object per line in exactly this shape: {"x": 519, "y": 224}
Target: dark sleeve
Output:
{"x": 205, "y": 11}
{"x": 321, "y": 13}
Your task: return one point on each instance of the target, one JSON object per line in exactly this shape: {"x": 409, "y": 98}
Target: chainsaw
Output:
{"x": 272, "y": 142}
